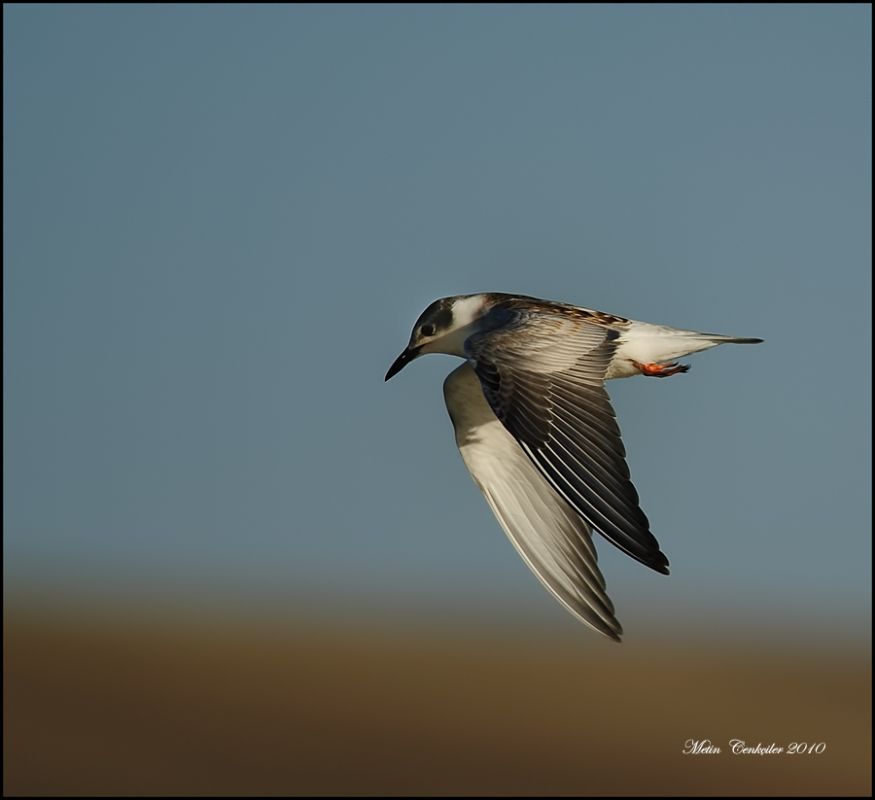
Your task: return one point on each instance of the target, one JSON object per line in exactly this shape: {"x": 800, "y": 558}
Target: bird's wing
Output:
{"x": 543, "y": 375}
{"x": 552, "y": 539}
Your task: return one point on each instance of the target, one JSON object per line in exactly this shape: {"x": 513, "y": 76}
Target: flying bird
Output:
{"x": 536, "y": 429}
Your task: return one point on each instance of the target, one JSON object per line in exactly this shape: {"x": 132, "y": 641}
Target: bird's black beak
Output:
{"x": 402, "y": 361}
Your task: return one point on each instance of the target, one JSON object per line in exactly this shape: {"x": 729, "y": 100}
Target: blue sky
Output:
{"x": 221, "y": 222}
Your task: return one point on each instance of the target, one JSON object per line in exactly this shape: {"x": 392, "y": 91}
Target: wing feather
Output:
{"x": 553, "y": 540}
{"x": 543, "y": 375}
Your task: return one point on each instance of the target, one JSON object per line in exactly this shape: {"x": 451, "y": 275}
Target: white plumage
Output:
{"x": 549, "y": 535}
{"x": 537, "y": 432}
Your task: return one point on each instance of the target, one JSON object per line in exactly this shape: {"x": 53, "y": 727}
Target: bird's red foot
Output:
{"x": 662, "y": 370}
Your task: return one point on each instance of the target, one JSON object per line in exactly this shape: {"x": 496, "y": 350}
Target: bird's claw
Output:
{"x": 662, "y": 370}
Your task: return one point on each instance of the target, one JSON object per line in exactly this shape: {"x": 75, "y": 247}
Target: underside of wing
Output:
{"x": 551, "y": 537}
{"x": 543, "y": 376}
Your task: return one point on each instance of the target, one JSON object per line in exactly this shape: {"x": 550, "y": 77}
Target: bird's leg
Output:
{"x": 661, "y": 370}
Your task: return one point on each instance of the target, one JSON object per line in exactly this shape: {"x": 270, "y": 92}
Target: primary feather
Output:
{"x": 543, "y": 375}
{"x": 551, "y": 537}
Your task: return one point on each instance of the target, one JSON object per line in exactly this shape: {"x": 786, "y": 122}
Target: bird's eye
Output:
{"x": 427, "y": 330}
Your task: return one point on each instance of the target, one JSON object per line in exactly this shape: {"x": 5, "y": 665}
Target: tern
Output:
{"x": 536, "y": 429}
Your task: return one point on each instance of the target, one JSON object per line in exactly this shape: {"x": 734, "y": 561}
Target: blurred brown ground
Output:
{"x": 148, "y": 706}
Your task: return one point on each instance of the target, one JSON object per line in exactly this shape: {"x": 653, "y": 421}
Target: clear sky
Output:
{"x": 221, "y": 223}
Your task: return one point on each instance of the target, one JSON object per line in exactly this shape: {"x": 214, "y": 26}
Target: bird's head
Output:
{"x": 443, "y": 328}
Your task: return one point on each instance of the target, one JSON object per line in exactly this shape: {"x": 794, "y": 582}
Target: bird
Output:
{"x": 536, "y": 430}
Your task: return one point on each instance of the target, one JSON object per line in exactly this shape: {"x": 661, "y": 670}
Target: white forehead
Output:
{"x": 467, "y": 309}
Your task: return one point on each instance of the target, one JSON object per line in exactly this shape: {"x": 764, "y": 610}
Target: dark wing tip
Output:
{"x": 656, "y": 560}
{"x": 661, "y": 566}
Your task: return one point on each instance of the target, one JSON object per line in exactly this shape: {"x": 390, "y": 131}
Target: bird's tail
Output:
{"x": 720, "y": 339}
{"x": 662, "y": 344}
